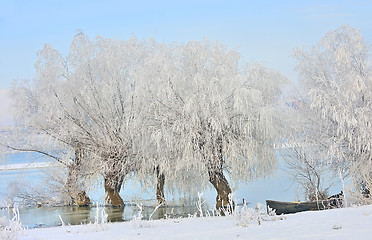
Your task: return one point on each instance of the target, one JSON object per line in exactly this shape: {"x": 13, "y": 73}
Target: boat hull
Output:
{"x": 294, "y": 207}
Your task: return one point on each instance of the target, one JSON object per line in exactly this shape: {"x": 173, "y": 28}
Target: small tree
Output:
{"x": 313, "y": 176}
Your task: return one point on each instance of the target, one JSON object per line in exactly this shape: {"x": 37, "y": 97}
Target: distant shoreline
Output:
{"x": 18, "y": 166}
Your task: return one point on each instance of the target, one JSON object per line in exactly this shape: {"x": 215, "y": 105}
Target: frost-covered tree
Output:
{"x": 336, "y": 74}
{"x": 32, "y": 134}
{"x": 209, "y": 116}
{"x": 85, "y": 103}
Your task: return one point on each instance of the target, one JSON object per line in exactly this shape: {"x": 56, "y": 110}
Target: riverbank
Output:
{"x": 346, "y": 223}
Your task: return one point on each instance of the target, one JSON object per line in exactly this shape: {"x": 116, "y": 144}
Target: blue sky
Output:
{"x": 262, "y": 31}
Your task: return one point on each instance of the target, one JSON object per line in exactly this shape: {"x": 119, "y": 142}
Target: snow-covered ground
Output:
{"x": 347, "y": 223}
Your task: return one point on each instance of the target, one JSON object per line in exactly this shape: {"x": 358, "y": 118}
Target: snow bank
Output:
{"x": 348, "y": 223}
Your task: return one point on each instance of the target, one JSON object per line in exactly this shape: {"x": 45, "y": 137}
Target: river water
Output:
{"x": 278, "y": 187}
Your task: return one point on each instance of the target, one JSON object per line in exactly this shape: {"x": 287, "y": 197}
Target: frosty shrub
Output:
{"x": 246, "y": 216}
{"x": 11, "y": 229}
{"x": 243, "y": 215}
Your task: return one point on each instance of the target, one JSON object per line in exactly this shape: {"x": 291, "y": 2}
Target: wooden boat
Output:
{"x": 334, "y": 201}
{"x": 294, "y": 207}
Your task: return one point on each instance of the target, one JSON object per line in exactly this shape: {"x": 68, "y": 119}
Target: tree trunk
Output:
{"x": 160, "y": 198}
{"x": 220, "y": 183}
{"x": 112, "y": 189}
{"x": 78, "y": 197}
{"x": 218, "y": 180}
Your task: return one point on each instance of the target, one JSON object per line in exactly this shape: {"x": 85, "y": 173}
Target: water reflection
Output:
{"x": 115, "y": 214}
{"x": 33, "y": 217}
{"x": 76, "y": 215}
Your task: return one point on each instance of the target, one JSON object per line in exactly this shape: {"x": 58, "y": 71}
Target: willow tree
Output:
{"x": 336, "y": 74}
{"x": 85, "y": 102}
{"x": 36, "y": 131}
{"x": 210, "y": 115}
